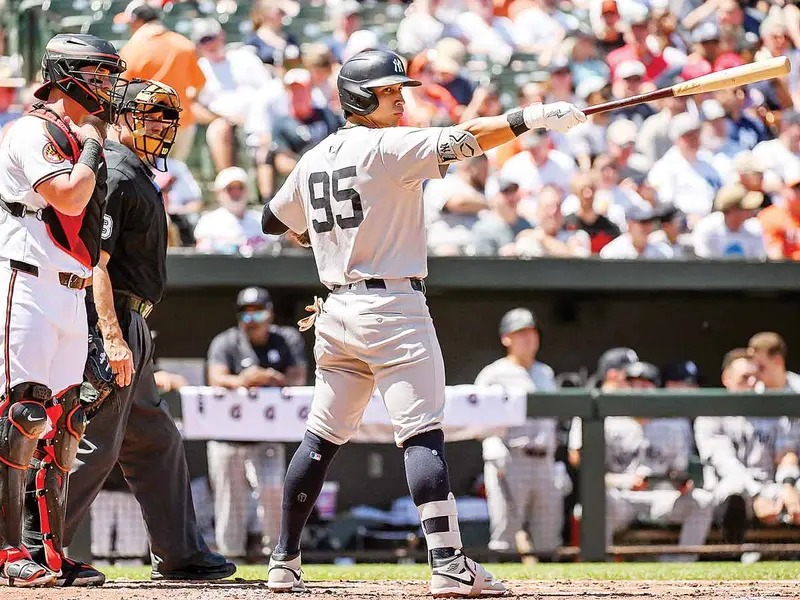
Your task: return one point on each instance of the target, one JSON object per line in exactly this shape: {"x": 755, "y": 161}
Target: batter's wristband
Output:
{"x": 91, "y": 155}
{"x": 516, "y": 120}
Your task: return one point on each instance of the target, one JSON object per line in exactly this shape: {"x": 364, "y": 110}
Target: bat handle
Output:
{"x": 628, "y": 102}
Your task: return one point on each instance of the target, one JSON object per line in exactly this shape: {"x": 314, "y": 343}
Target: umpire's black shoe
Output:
{"x": 210, "y": 567}
{"x": 734, "y": 520}
{"x": 78, "y": 574}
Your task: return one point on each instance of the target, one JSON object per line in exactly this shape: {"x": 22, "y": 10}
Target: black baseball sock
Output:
{"x": 428, "y": 479}
{"x": 302, "y": 486}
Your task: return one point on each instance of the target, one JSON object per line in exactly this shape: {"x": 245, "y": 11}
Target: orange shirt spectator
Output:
{"x": 781, "y": 224}
{"x": 155, "y": 52}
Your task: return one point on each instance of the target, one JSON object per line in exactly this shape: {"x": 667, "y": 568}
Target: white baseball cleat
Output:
{"x": 461, "y": 576}
{"x": 285, "y": 576}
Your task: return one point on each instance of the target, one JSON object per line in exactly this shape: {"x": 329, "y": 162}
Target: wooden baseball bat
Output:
{"x": 727, "y": 78}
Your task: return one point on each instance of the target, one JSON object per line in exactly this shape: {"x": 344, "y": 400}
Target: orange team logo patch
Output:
{"x": 52, "y": 155}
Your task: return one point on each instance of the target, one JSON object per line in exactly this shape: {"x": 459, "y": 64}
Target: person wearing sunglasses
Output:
{"x": 253, "y": 353}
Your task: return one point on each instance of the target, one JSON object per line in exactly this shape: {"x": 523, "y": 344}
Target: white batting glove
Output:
{"x": 559, "y": 116}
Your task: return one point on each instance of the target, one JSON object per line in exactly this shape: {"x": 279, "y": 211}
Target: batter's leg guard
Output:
{"x": 46, "y": 497}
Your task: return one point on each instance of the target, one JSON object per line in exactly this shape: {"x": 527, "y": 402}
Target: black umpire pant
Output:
{"x": 135, "y": 428}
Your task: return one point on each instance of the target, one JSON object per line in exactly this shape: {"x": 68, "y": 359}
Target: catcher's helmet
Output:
{"x": 86, "y": 68}
{"x": 145, "y": 103}
{"x": 365, "y": 71}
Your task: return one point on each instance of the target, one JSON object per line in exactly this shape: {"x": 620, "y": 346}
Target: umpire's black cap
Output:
{"x": 254, "y": 296}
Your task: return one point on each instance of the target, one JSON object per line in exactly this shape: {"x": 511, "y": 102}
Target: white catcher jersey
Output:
{"x": 359, "y": 195}
{"x": 27, "y": 159}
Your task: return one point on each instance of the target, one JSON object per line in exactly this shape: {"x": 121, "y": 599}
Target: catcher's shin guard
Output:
{"x": 46, "y": 494}
{"x": 23, "y": 420}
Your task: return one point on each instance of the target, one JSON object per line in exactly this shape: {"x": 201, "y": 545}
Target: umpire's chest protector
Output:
{"x": 79, "y": 235}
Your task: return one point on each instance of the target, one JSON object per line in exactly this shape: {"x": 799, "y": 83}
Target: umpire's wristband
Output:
{"x": 516, "y": 120}
{"x": 92, "y": 154}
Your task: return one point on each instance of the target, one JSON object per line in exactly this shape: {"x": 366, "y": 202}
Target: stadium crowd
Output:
{"x": 714, "y": 176}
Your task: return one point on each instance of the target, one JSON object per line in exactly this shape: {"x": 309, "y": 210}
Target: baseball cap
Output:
{"x": 229, "y": 176}
{"x": 558, "y": 64}
{"x": 736, "y": 195}
{"x": 137, "y": 10}
{"x": 682, "y": 124}
{"x": 505, "y": 184}
{"x": 346, "y": 8}
{"x": 668, "y": 211}
{"x": 685, "y": 371}
{"x": 615, "y": 358}
{"x": 621, "y": 132}
{"x": 641, "y": 214}
{"x": 253, "y": 296}
{"x": 517, "y": 319}
{"x": 712, "y": 110}
{"x": 746, "y": 162}
{"x": 643, "y": 370}
{"x": 630, "y": 68}
{"x": 204, "y": 29}
{"x": 705, "y": 32}
{"x": 297, "y": 75}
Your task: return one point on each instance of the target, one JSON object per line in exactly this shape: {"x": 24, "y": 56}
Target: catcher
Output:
{"x": 132, "y": 425}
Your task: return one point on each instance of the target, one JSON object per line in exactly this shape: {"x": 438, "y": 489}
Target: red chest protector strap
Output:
{"x": 79, "y": 235}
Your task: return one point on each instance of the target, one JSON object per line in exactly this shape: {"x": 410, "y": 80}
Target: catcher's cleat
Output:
{"x": 78, "y": 574}
{"x": 285, "y": 575}
{"x": 461, "y": 576}
{"x": 23, "y": 571}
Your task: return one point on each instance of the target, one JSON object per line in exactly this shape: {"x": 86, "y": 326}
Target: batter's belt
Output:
{"x": 380, "y": 284}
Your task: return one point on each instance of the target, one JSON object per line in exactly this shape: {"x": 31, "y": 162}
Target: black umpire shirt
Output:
{"x": 134, "y": 226}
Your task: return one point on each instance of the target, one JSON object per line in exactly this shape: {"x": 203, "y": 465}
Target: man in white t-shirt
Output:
{"x": 232, "y": 77}
{"x": 232, "y": 227}
{"x": 781, "y": 155}
{"x": 731, "y": 231}
{"x": 635, "y": 242}
{"x": 486, "y": 34}
{"x": 681, "y": 176}
{"x": 538, "y": 165}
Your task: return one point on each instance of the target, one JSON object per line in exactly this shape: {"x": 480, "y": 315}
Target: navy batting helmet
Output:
{"x": 365, "y": 71}
{"x": 84, "y": 67}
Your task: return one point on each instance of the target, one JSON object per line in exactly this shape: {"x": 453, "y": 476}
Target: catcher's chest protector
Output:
{"x": 78, "y": 236}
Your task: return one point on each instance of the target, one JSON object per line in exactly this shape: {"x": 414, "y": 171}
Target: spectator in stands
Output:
{"x": 484, "y": 32}
{"x": 272, "y": 43}
{"x": 672, "y": 222}
{"x": 608, "y": 28}
{"x": 705, "y": 48}
{"x": 485, "y": 102}
{"x": 781, "y": 222}
{"x": 540, "y": 28}
{"x": 636, "y": 46}
{"x": 628, "y": 78}
{"x": 430, "y": 103}
{"x": 775, "y": 42}
{"x": 714, "y": 138}
{"x": 421, "y": 28}
{"x": 450, "y": 52}
{"x": 232, "y": 228}
{"x": 295, "y": 133}
{"x": 519, "y": 467}
{"x": 550, "y": 237}
{"x": 232, "y": 78}
{"x": 584, "y": 61}
{"x": 560, "y": 87}
{"x": 781, "y": 156}
{"x": 183, "y": 198}
{"x": 319, "y": 62}
{"x": 360, "y": 41}
{"x": 750, "y": 173}
{"x": 452, "y": 206}
{"x": 254, "y": 353}
{"x": 611, "y": 198}
{"x": 10, "y": 83}
{"x": 652, "y": 140}
{"x": 682, "y": 375}
{"x": 636, "y": 243}
{"x": 498, "y": 227}
{"x": 599, "y": 229}
{"x": 738, "y": 452}
{"x": 621, "y": 138}
{"x": 588, "y": 140}
{"x": 681, "y": 176}
{"x": 731, "y": 231}
{"x": 743, "y": 129}
{"x": 155, "y": 52}
{"x": 345, "y": 16}
{"x": 538, "y": 165}
{"x": 769, "y": 351}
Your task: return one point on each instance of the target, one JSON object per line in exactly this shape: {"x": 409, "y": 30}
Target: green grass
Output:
{"x": 602, "y": 571}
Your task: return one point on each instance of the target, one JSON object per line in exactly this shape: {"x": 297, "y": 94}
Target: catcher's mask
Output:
{"x": 84, "y": 67}
{"x": 151, "y": 111}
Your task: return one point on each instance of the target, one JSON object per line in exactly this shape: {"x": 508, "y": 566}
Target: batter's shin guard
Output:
{"x": 46, "y": 497}
{"x": 23, "y": 419}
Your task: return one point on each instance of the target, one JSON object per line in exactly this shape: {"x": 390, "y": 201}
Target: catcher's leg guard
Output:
{"x": 23, "y": 420}
{"x": 46, "y": 496}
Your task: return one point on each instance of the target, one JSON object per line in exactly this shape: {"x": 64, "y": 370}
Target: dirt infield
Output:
{"x": 369, "y": 590}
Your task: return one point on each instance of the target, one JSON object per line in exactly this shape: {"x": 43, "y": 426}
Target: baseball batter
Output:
{"x": 358, "y": 196}
{"x": 520, "y": 467}
{"x": 52, "y": 180}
